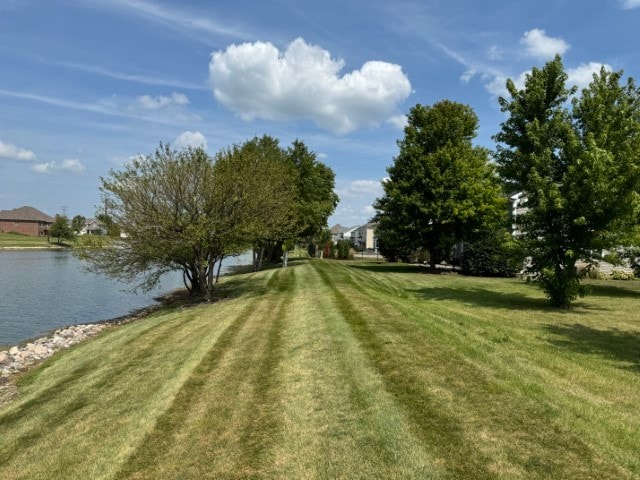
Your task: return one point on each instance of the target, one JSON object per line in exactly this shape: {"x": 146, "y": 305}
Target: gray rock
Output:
{"x": 40, "y": 350}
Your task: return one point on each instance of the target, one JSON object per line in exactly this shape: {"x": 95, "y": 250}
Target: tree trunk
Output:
{"x": 219, "y": 267}
{"x": 432, "y": 260}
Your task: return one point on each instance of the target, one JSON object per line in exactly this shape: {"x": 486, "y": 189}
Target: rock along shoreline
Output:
{"x": 21, "y": 358}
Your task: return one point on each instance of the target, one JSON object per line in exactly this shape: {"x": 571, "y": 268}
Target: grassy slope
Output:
{"x": 334, "y": 370}
{"x": 16, "y": 240}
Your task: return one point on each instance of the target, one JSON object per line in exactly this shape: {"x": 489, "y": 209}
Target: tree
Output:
{"x": 257, "y": 180}
{"x": 77, "y": 223}
{"x": 60, "y": 228}
{"x": 579, "y": 170}
{"x": 165, "y": 204}
{"x": 441, "y": 189}
{"x": 316, "y": 198}
{"x": 112, "y": 228}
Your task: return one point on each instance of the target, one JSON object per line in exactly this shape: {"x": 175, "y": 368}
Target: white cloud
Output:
{"x": 112, "y": 106}
{"x": 256, "y": 80}
{"x": 369, "y": 210}
{"x": 361, "y": 188}
{"x": 43, "y": 168}
{"x": 398, "y": 121}
{"x": 10, "y": 151}
{"x": 73, "y": 166}
{"x": 580, "y": 76}
{"x": 583, "y": 74}
{"x": 538, "y": 45}
{"x": 497, "y": 86}
{"x": 630, "y": 4}
{"x": 154, "y": 103}
{"x": 66, "y": 166}
{"x": 191, "y": 139}
{"x": 468, "y": 75}
{"x": 494, "y": 53}
{"x": 186, "y": 22}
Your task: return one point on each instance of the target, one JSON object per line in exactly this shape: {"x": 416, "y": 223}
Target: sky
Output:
{"x": 86, "y": 85}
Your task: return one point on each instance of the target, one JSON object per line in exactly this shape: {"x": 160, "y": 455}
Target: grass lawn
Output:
{"x": 344, "y": 370}
{"x": 17, "y": 240}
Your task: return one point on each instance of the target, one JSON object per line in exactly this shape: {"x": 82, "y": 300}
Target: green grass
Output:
{"x": 18, "y": 240}
{"x": 344, "y": 370}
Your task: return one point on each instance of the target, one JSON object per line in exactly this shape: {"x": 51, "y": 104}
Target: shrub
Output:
{"x": 343, "y": 248}
{"x": 493, "y": 254}
{"x": 620, "y": 275}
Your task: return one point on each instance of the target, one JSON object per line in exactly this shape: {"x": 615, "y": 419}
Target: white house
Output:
{"x": 92, "y": 227}
{"x": 365, "y": 236}
{"x": 338, "y": 232}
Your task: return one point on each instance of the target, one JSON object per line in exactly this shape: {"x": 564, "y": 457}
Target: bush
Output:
{"x": 343, "y": 248}
{"x": 562, "y": 287}
{"x": 620, "y": 275}
{"x": 493, "y": 254}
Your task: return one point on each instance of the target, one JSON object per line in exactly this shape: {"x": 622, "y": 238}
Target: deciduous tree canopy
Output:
{"x": 579, "y": 169}
{"x": 441, "y": 189}
{"x": 183, "y": 210}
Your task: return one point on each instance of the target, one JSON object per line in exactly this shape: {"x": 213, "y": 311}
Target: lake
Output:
{"x": 46, "y": 289}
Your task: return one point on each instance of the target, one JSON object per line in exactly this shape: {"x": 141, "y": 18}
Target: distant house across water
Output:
{"x": 93, "y": 227}
{"x": 25, "y": 220}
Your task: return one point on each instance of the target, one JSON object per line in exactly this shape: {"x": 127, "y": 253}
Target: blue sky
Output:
{"x": 85, "y": 85}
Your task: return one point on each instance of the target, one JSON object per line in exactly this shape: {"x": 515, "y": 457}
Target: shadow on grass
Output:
{"x": 230, "y": 287}
{"x": 388, "y": 267}
{"x": 613, "y": 291}
{"x": 486, "y": 298}
{"x": 621, "y": 345}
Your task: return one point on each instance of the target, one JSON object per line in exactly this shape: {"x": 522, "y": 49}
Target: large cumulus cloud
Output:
{"x": 256, "y": 80}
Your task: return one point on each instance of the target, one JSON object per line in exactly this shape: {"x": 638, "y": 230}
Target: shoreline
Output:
{"x": 19, "y": 359}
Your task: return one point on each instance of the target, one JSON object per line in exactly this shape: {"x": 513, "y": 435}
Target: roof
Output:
{"x": 25, "y": 214}
{"x": 338, "y": 229}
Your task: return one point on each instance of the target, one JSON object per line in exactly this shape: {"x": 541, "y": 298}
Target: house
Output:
{"x": 92, "y": 227}
{"x": 338, "y": 232}
{"x": 25, "y": 220}
{"x": 364, "y": 237}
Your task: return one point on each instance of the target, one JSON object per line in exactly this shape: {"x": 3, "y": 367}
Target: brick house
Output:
{"x": 25, "y": 220}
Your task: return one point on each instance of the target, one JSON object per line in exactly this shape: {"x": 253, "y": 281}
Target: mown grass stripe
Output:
{"x": 245, "y": 365}
{"x": 439, "y": 432}
{"x": 485, "y": 407}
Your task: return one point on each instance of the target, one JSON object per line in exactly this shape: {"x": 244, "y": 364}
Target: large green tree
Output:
{"x": 316, "y": 197}
{"x": 579, "y": 170}
{"x": 441, "y": 188}
{"x": 258, "y": 180}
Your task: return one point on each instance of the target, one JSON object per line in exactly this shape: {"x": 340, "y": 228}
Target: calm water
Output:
{"x": 44, "y": 290}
